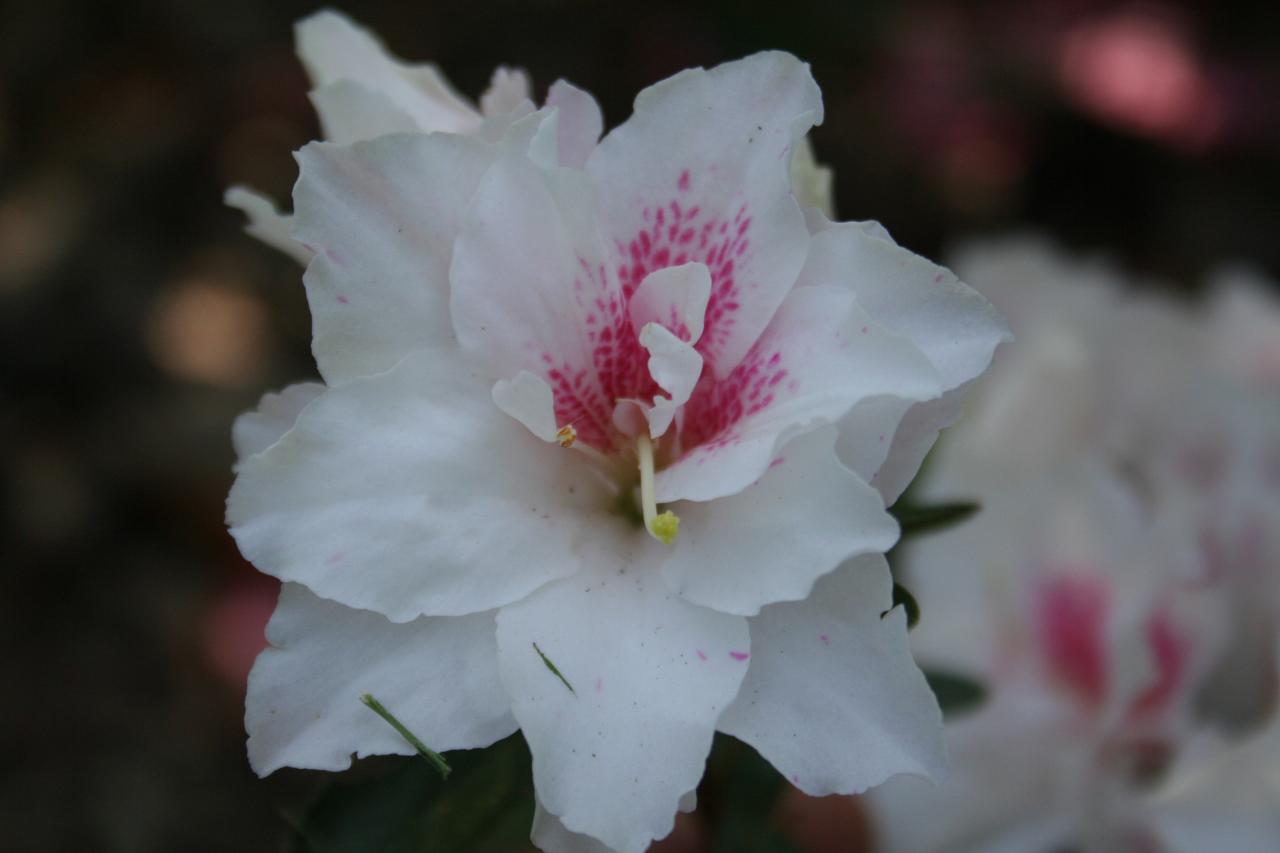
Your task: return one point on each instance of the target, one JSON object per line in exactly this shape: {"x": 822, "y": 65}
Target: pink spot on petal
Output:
{"x": 683, "y": 183}
{"x": 826, "y": 641}
{"x": 1171, "y": 652}
{"x": 342, "y": 300}
{"x": 599, "y": 685}
{"x": 335, "y": 558}
{"x": 739, "y": 655}
{"x": 1071, "y": 617}
{"x": 702, "y": 655}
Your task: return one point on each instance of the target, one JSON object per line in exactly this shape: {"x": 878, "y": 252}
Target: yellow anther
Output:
{"x": 661, "y": 527}
{"x": 566, "y": 435}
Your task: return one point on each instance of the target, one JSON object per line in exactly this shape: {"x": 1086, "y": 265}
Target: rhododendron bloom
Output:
{"x": 578, "y": 470}
{"x": 1118, "y": 591}
{"x": 1058, "y": 597}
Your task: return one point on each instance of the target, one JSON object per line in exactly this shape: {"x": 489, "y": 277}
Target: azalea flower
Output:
{"x": 1058, "y": 598}
{"x": 1115, "y": 592}
{"x": 1097, "y": 372}
{"x": 594, "y": 453}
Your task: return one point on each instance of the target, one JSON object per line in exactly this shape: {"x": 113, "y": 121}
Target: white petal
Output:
{"x": 700, "y": 173}
{"x": 437, "y": 674}
{"x": 812, "y": 182}
{"x": 516, "y": 262}
{"x": 255, "y": 431}
{"x": 352, "y": 112}
{"x": 867, "y": 433}
{"x": 508, "y": 89}
{"x": 528, "y": 399}
{"x": 550, "y": 835}
{"x": 915, "y": 436}
{"x": 265, "y": 222}
{"x": 410, "y": 493}
{"x": 1014, "y": 772}
{"x": 833, "y": 698}
{"x": 675, "y": 365}
{"x": 382, "y": 217}
{"x": 948, "y": 320}
{"x": 650, "y": 675}
{"x": 526, "y": 296}
{"x": 500, "y": 126}
{"x": 819, "y": 357}
{"x": 674, "y": 297}
{"x": 580, "y": 122}
{"x": 332, "y": 47}
{"x": 773, "y": 540}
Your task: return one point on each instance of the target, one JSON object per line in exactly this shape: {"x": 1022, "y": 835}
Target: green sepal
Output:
{"x": 915, "y": 519}
{"x": 956, "y": 693}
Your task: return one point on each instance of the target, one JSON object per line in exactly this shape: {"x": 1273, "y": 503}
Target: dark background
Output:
{"x": 136, "y": 320}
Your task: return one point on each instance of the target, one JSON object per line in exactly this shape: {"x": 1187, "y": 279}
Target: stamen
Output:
{"x": 566, "y": 435}
{"x": 661, "y": 527}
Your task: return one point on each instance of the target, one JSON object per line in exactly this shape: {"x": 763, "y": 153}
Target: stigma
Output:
{"x": 661, "y": 526}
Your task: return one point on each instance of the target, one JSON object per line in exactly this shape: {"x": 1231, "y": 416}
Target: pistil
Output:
{"x": 664, "y": 526}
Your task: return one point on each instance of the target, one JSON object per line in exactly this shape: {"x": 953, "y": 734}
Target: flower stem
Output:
{"x": 662, "y": 527}
{"x": 433, "y": 758}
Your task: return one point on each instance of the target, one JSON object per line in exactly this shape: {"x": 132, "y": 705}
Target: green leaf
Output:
{"x": 956, "y": 693}
{"x": 915, "y": 519}
{"x": 902, "y": 596}
{"x": 432, "y": 757}
{"x": 401, "y": 805}
{"x": 554, "y": 670}
{"x": 738, "y": 798}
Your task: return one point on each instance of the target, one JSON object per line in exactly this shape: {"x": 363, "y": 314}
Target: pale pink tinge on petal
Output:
{"x": 580, "y": 122}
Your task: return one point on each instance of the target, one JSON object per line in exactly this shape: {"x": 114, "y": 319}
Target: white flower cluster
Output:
{"x": 1120, "y": 591}
{"x": 530, "y": 339}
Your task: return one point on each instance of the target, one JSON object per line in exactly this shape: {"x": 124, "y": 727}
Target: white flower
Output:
{"x": 1118, "y": 590}
{"x": 1058, "y": 597}
{"x": 524, "y": 357}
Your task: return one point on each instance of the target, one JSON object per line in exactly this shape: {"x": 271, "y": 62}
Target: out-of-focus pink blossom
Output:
{"x": 1137, "y": 69}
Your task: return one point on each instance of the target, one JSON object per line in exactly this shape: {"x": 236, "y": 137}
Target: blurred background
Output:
{"x": 136, "y": 319}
